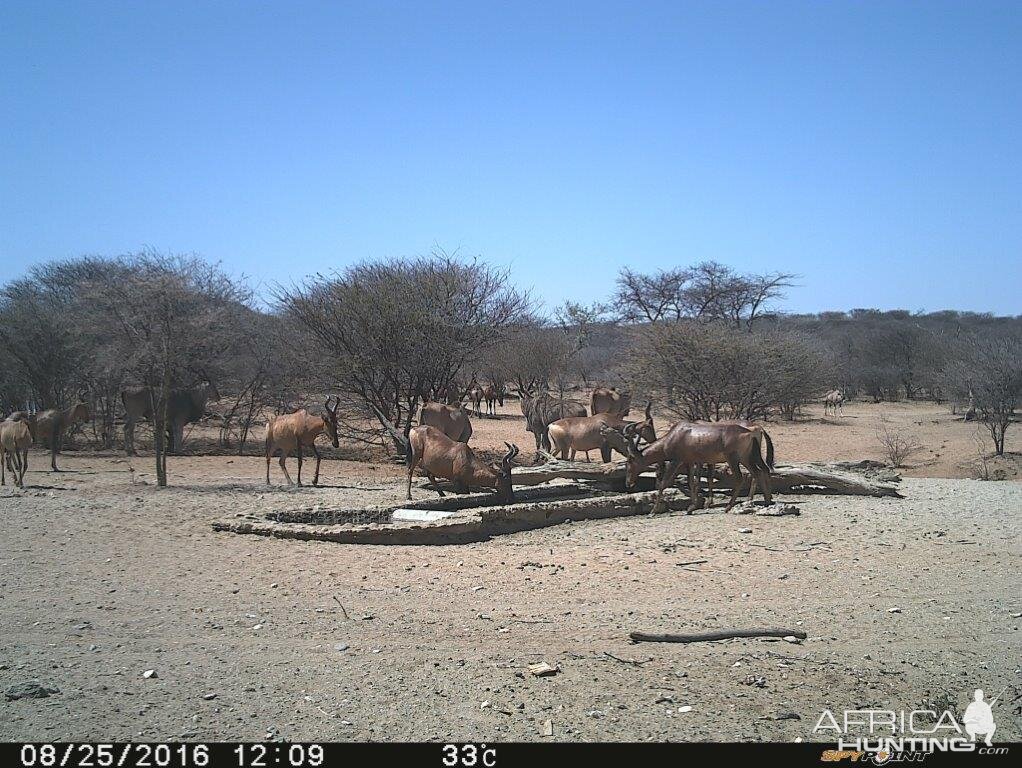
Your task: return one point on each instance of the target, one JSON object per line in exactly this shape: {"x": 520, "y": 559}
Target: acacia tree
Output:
{"x": 712, "y": 372}
{"x": 399, "y": 330}
{"x": 169, "y": 319}
{"x": 989, "y": 368}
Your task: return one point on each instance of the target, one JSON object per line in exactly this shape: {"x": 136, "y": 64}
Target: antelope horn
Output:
{"x": 649, "y": 406}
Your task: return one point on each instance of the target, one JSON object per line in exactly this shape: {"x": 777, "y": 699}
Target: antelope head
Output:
{"x": 503, "y": 471}
{"x": 330, "y": 420}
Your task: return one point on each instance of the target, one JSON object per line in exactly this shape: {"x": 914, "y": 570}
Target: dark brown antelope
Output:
{"x": 184, "y": 406}
{"x": 689, "y": 445}
{"x": 15, "y": 438}
{"x": 292, "y": 432}
{"x": 609, "y": 400}
{"x": 52, "y": 425}
{"x": 583, "y": 433}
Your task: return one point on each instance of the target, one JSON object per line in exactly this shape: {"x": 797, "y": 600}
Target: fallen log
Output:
{"x": 794, "y": 478}
{"x": 723, "y": 634}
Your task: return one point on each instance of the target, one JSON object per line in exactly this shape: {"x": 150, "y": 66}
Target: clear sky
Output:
{"x": 872, "y": 147}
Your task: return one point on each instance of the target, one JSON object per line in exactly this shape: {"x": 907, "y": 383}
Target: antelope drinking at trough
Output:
{"x": 15, "y": 438}
{"x": 440, "y": 456}
{"x": 583, "y": 433}
{"x": 292, "y": 432}
{"x": 52, "y": 425}
{"x": 690, "y": 445}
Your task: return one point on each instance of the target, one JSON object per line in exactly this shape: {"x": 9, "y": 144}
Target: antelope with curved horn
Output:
{"x": 583, "y": 433}
{"x": 294, "y": 431}
{"x": 440, "y": 456}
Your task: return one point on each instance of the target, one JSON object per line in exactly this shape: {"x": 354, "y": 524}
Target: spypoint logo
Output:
{"x": 881, "y": 736}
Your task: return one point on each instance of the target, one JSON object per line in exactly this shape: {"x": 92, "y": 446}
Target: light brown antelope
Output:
{"x": 440, "y": 456}
{"x": 609, "y": 400}
{"x": 833, "y": 401}
{"x": 452, "y": 420}
{"x": 15, "y": 438}
{"x": 544, "y": 409}
{"x": 583, "y": 433}
{"x": 292, "y": 432}
{"x": 52, "y": 425}
{"x": 689, "y": 445}
{"x": 490, "y": 395}
{"x": 475, "y": 396}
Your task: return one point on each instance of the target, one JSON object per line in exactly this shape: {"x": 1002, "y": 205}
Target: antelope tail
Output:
{"x": 757, "y": 454}
{"x": 769, "y": 450}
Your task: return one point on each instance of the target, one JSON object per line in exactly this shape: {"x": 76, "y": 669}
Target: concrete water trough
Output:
{"x": 450, "y": 520}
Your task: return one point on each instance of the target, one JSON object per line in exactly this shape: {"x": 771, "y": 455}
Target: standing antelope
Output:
{"x": 183, "y": 407}
{"x": 690, "y": 445}
{"x": 833, "y": 400}
{"x": 583, "y": 433}
{"x": 15, "y": 438}
{"x": 51, "y": 425}
{"x": 475, "y": 396}
{"x": 609, "y": 400}
{"x": 294, "y": 431}
{"x": 490, "y": 395}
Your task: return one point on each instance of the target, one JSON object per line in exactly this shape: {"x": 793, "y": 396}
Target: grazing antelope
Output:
{"x": 452, "y": 420}
{"x": 544, "y": 409}
{"x": 15, "y": 438}
{"x": 491, "y": 395}
{"x": 609, "y": 400}
{"x": 183, "y": 407}
{"x": 583, "y": 433}
{"x": 833, "y": 401}
{"x": 690, "y": 445}
{"x": 294, "y": 431}
{"x": 51, "y": 426}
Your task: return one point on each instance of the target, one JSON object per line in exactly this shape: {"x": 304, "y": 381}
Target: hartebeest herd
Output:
{"x": 438, "y": 445}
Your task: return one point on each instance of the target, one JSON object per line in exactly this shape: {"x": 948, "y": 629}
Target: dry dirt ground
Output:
{"x": 103, "y": 576}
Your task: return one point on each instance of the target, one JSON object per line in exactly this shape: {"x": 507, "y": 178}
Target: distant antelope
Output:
{"x": 52, "y": 425}
{"x": 583, "y": 433}
{"x": 184, "y": 406}
{"x": 293, "y": 431}
{"x": 452, "y": 420}
{"x": 833, "y": 401}
{"x": 490, "y": 395}
{"x": 475, "y": 396}
{"x": 15, "y": 438}
{"x": 609, "y": 400}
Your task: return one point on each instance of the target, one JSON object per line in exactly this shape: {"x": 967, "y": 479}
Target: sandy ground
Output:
{"x": 103, "y": 577}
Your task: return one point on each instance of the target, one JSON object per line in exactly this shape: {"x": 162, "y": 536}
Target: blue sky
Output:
{"x": 872, "y": 147}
